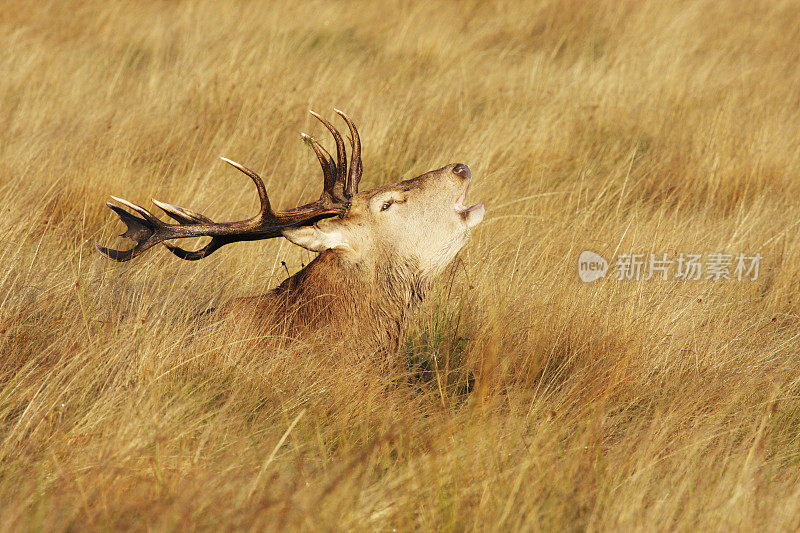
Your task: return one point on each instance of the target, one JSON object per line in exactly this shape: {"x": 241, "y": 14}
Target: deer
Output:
{"x": 379, "y": 251}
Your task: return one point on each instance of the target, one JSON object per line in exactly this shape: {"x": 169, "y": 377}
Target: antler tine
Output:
{"x": 341, "y": 156}
{"x": 266, "y": 209}
{"x": 325, "y": 161}
{"x": 190, "y": 255}
{"x": 139, "y": 209}
{"x": 356, "y": 169}
{"x": 181, "y": 214}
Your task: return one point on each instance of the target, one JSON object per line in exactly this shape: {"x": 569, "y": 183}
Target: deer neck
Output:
{"x": 371, "y": 302}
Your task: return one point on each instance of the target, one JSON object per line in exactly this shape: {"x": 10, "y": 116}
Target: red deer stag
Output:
{"x": 379, "y": 250}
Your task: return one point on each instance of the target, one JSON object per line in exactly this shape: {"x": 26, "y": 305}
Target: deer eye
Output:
{"x": 386, "y": 205}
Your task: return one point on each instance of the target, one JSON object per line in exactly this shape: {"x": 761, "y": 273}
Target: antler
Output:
{"x": 339, "y": 186}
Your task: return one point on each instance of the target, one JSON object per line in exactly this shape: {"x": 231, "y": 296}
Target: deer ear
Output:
{"x": 315, "y": 239}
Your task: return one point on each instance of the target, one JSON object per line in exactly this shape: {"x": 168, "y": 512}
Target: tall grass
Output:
{"x": 533, "y": 401}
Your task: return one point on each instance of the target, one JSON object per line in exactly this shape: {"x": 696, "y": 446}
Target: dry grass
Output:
{"x": 613, "y": 126}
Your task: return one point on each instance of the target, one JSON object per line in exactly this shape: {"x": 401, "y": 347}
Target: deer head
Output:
{"x": 423, "y": 219}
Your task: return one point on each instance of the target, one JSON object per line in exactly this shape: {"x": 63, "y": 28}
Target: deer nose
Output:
{"x": 462, "y": 170}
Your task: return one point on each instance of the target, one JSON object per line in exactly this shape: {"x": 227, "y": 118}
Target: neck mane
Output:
{"x": 361, "y": 305}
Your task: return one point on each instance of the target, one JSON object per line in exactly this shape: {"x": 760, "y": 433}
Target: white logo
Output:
{"x": 591, "y": 266}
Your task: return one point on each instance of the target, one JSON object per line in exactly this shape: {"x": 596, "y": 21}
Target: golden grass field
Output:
{"x": 530, "y": 400}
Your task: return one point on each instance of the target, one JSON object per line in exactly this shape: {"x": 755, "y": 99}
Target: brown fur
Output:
{"x": 330, "y": 296}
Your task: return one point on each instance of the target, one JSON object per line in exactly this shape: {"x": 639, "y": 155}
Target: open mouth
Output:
{"x": 473, "y": 214}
